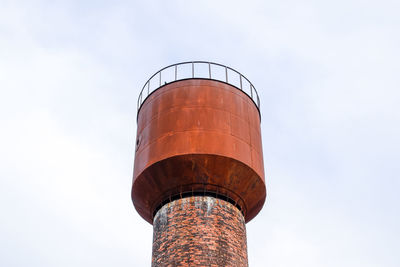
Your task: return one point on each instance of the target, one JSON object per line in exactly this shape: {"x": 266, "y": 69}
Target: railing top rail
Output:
{"x": 250, "y": 90}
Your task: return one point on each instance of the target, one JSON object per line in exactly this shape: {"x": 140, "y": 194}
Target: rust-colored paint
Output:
{"x": 198, "y": 135}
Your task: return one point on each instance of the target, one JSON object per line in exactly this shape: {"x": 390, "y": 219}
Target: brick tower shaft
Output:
{"x": 199, "y": 231}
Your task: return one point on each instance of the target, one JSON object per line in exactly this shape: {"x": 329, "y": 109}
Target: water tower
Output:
{"x": 198, "y": 174}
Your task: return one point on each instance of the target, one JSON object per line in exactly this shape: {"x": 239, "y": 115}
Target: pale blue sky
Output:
{"x": 328, "y": 78}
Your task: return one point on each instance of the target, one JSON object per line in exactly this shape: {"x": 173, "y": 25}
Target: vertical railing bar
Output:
{"x": 192, "y": 69}
{"x": 226, "y": 74}
{"x": 209, "y": 70}
{"x": 241, "y": 87}
{"x": 148, "y": 87}
{"x": 176, "y": 71}
{"x": 160, "y": 78}
{"x": 139, "y": 104}
{"x": 251, "y": 90}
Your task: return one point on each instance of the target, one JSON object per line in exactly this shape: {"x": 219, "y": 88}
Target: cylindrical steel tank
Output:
{"x": 198, "y": 137}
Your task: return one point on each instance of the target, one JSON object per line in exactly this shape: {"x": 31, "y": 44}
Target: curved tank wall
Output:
{"x": 198, "y": 135}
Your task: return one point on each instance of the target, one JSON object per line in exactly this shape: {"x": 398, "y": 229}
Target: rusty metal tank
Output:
{"x": 198, "y": 134}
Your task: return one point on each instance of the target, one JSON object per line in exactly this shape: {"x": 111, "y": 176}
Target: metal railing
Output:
{"x": 198, "y": 70}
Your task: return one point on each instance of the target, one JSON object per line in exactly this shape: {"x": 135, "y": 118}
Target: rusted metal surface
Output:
{"x": 198, "y": 135}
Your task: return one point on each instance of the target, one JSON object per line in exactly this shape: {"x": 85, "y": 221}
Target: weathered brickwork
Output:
{"x": 199, "y": 231}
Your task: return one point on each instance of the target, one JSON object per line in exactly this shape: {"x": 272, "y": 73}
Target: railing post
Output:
{"x": 192, "y": 69}
{"x": 241, "y": 87}
{"x": 226, "y": 74}
{"x": 148, "y": 87}
{"x": 251, "y": 90}
{"x": 138, "y": 102}
{"x": 209, "y": 70}
{"x": 176, "y": 71}
{"x": 160, "y": 78}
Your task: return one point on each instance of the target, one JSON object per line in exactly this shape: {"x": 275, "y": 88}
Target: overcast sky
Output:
{"x": 328, "y": 77}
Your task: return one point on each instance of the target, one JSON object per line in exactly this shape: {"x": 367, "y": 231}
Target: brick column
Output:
{"x": 199, "y": 231}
